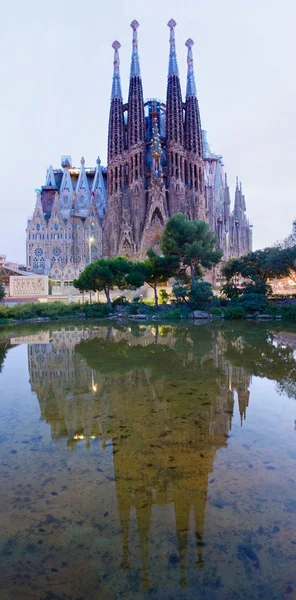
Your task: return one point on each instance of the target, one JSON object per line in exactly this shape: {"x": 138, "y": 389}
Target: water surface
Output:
{"x": 148, "y": 461}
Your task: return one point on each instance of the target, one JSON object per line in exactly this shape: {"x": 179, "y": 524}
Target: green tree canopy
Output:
{"x": 192, "y": 242}
{"x": 256, "y": 268}
{"x": 282, "y": 261}
{"x": 104, "y": 275}
{"x": 155, "y": 270}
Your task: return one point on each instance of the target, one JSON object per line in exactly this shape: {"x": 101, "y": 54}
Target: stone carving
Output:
{"x": 28, "y": 286}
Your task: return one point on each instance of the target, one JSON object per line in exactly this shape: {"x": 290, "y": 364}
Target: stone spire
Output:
{"x": 190, "y": 89}
{"x": 135, "y": 64}
{"x": 174, "y": 113}
{"x": 193, "y": 131}
{"x": 136, "y": 117}
{"x": 237, "y": 199}
{"x": 116, "y": 121}
{"x": 173, "y": 65}
{"x": 116, "y": 84}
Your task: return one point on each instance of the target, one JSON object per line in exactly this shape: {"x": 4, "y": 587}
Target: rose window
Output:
{"x": 38, "y": 252}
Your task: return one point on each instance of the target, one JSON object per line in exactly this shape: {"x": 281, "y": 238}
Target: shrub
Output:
{"x": 234, "y": 312}
{"x": 98, "y": 309}
{"x": 164, "y": 296}
{"x": 217, "y": 311}
{"x": 272, "y": 308}
{"x": 289, "y": 312}
{"x": 201, "y": 294}
{"x": 120, "y": 301}
{"x": 176, "y": 313}
{"x": 252, "y": 302}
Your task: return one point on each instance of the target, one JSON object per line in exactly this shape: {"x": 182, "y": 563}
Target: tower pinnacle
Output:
{"x": 173, "y": 66}
{"x": 135, "y": 65}
{"x": 191, "y": 89}
{"x": 116, "y": 85}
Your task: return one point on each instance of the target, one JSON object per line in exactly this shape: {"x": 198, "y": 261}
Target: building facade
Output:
{"x": 159, "y": 163}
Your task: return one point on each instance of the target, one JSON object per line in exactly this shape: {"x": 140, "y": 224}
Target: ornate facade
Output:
{"x": 159, "y": 163}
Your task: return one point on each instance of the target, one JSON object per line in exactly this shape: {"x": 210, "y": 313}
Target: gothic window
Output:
{"x": 157, "y": 218}
{"x": 56, "y": 226}
{"x": 37, "y": 227}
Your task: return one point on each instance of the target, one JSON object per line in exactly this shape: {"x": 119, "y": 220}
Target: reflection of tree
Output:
{"x": 261, "y": 351}
{"x": 3, "y": 352}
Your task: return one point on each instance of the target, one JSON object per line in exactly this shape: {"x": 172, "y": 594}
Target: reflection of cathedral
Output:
{"x": 167, "y": 415}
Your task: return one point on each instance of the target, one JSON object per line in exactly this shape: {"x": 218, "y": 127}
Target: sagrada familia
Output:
{"x": 159, "y": 164}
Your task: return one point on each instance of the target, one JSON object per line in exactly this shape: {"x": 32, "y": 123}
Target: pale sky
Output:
{"x": 56, "y": 72}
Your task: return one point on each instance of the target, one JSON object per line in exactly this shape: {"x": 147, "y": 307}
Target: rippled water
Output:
{"x": 152, "y": 461}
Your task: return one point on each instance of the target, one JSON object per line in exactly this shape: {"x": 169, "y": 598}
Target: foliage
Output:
{"x": 231, "y": 291}
{"x": 155, "y": 270}
{"x": 234, "y": 312}
{"x": 180, "y": 290}
{"x": 201, "y": 294}
{"x": 252, "y": 302}
{"x": 217, "y": 312}
{"x": 256, "y": 287}
{"x": 289, "y": 312}
{"x": 256, "y": 268}
{"x": 52, "y": 310}
{"x": 2, "y": 290}
{"x": 283, "y": 261}
{"x": 120, "y": 301}
{"x": 192, "y": 242}
{"x": 289, "y": 241}
{"x": 103, "y": 275}
{"x": 164, "y": 296}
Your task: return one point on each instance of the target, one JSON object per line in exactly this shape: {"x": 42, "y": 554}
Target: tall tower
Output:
{"x": 115, "y": 171}
{"x": 175, "y": 131}
{"x": 136, "y": 142}
{"x": 194, "y": 167}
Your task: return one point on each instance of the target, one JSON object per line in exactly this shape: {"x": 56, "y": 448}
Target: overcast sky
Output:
{"x": 56, "y": 71}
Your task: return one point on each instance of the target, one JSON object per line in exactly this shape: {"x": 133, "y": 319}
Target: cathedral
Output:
{"x": 159, "y": 163}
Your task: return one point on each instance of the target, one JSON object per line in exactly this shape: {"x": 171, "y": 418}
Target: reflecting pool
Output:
{"x": 148, "y": 461}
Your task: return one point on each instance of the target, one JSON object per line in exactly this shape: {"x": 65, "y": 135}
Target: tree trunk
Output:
{"x": 192, "y": 270}
{"x": 107, "y": 292}
{"x": 155, "y": 296}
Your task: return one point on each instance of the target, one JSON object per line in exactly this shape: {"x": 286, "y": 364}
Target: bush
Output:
{"x": 289, "y": 312}
{"x": 217, "y": 311}
{"x": 176, "y": 313}
{"x": 120, "y": 301}
{"x": 272, "y": 308}
{"x": 52, "y": 310}
{"x": 164, "y": 296}
{"x": 234, "y": 312}
{"x": 201, "y": 294}
{"x": 252, "y": 303}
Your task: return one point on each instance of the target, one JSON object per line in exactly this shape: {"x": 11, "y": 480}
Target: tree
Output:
{"x": 155, "y": 270}
{"x": 2, "y": 290}
{"x": 104, "y": 275}
{"x": 192, "y": 242}
{"x": 201, "y": 294}
{"x": 255, "y": 268}
{"x": 283, "y": 261}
